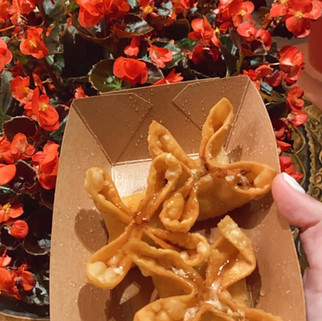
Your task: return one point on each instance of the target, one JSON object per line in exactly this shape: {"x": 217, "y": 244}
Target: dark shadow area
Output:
{"x": 92, "y": 303}
{"x": 254, "y": 285}
{"x": 132, "y": 294}
{"x": 90, "y": 230}
{"x": 247, "y": 217}
{"x": 235, "y": 154}
{"x": 252, "y": 214}
{"x": 12, "y": 307}
{"x": 121, "y": 303}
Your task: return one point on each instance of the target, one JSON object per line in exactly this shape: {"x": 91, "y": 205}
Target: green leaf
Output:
{"x": 132, "y": 3}
{"x": 177, "y": 30}
{"x": 102, "y": 77}
{"x": 53, "y": 41}
{"x": 228, "y": 50}
{"x": 5, "y": 93}
{"x": 134, "y": 25}
{"x": 55, "y": 10}
{"x": 155, "y": 72}
{"x": 186, "y": 43}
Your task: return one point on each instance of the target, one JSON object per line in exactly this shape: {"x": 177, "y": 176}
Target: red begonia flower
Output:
{"x": 38, "y": 82}
{"x": 197, "y": 54}
{"x": 20, "y": 147}
{"x": 7, "y": 284}
{"x": 255, "y": 77}
{"x": 24, "y": 6}
{"x": 33, "y": 44}
{"x": 250, "y": 33}
{"x": 265, "y": 38}
{"x": 90, "y": 12}
{"x": 24, "y": 278}
{"x": 279, "y": 9}
{"x": 116, "y": 8}
{"x": 281, "y": 129}
{"x": 5, "y": 55}
{"x": 188, "y": 4}
{"x": 18, "y": 229}
{"x": 40, "y": 110}
{"x": 172, "y": 77}
{"x": 6, "y": 10}
{"x": 9, "y": 210}
{"x": 287, "y": 166}
{"x": 7, "y": 173}
{"x": 203, "y": 31}
{"x": 20, "y": 89}
{"x": 298, "y": 15}
{"x": 79, "y": 92}
{"x": 160, "y": 56}
{"x": 4, "y": 259}
{"x": 297, "y": 118}
{"x": 283, "y": 146}
{"x": 294, "y": 101}
{"x": 133, "y": 48}
{"x": 5, "y": 151}
{"x": 147, "y": 8}
{"x": 46, "y": 163}
{"x": 242, "y": 13}
{"x": 17, "y": 69}
{"x": 131, "y": 70}
{"x": 291, "y": 63}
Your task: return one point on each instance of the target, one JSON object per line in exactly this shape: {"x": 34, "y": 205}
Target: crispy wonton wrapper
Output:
{"x": 215, "y": 296}
{"x": 221, "y": 186}
{"x": 169, "y": 201}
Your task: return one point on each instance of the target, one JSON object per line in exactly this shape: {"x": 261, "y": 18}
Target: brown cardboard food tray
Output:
{"x": 110, "y": 131}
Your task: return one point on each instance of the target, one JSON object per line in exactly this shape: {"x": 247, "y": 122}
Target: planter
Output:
{"x": 315, "y": 46}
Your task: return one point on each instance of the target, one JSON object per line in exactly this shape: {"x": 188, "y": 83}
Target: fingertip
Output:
{"x": 298, "y": 208}
{"x": 283, "y": 178}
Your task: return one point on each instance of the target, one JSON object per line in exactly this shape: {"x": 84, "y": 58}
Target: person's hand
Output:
{"x": 304, "y": 212}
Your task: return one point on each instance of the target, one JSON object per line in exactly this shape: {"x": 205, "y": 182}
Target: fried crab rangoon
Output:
{"x": 109, "y": 265}
{"x": 220, "y": 295}
{"x": 221, "y": 186}
{"x": 151, "y": 228}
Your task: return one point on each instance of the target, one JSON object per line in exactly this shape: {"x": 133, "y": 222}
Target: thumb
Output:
{"x": 304, "y": 212}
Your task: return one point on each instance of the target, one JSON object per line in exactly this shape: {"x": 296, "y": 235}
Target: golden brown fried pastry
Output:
{"x": 220, "y": 186}
{"x": 228, "y": 187}
{"x": 170, "y": 186}
{"x": 213, "y": 297}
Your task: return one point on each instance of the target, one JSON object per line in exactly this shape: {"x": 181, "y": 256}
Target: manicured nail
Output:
{"x": 292, "y": 182}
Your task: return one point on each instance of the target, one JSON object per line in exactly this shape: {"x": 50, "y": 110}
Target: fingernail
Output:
{"x": 292, "y": 182}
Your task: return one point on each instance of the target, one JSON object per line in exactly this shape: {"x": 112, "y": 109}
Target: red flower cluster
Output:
{"x": 15, "y": 9}
{"x": 36, "y": 105}
{"x": 33, "y": 44}
{"x": 12, "y": 279}
{"x": 291, "y": 63}
{"x": 92, "y": 11}
{"x": 170, "y": 79}
{"x": 297, "y": 14}
{"x": 5, "y": 55}
{"x": 46, "y": 163}
{"x": 295, "y": 103}
{"x": 131, "y": 70}
{"x": 234, "y": 12}
{"x": 10, "y": 152}
{"x": 287, "y": 166}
